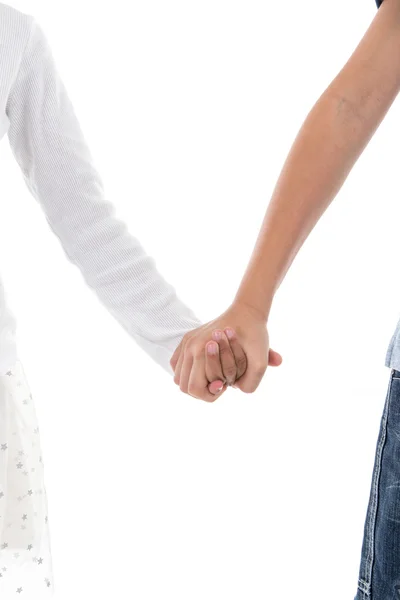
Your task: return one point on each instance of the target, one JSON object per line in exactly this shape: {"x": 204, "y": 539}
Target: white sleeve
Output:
{"x": 48, "y": 144}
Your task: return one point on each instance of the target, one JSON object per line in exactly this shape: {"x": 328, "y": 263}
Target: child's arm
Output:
{"x": 49, "y": 146}
{"x": 333, "y": 136}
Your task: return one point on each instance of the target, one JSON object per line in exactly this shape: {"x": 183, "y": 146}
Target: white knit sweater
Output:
{"x": 47, "y": 142}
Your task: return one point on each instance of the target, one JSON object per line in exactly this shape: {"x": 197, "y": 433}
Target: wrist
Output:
{"x": 243, "y": 304}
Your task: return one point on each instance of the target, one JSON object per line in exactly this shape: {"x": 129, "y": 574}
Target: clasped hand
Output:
{"x": 232, "y": 350}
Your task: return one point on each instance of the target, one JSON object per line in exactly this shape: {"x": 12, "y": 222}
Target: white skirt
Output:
{"x": 25, "y": 556}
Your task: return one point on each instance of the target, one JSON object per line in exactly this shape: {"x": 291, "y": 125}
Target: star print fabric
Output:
{"x": 25, "y": 556}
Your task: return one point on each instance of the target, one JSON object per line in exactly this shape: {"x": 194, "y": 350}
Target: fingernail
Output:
{"x": 212, "y": 348}
{"x": 218, "y": 390}
{"x": 217, "y": 335}
{"x": 229, "y": 333}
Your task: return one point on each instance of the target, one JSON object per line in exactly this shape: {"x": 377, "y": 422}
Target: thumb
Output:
{"x": 274, "y": 358}
{"x": 215, "y": 387}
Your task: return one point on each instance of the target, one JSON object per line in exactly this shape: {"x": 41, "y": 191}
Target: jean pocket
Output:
{"x": 395, "y": 375}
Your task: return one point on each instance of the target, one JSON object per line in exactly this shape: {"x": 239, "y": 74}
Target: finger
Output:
{"x": 198, "y": 382}
{"x": 174, "y": 359}
{"x": 238, "y": 352}
{"x": 256, "y": 367}
{"x": 185, "y": 372}
{"x": 250, "y": 384}
{"x": 178, "y": 368}
{"x": 213, "y": 367}
{"x": 226, "y": 356}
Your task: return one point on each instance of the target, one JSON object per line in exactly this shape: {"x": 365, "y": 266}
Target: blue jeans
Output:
{"x": 379, "y": 576}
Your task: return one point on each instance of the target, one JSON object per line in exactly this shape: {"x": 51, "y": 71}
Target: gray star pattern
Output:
{"x": 21, "y": 454}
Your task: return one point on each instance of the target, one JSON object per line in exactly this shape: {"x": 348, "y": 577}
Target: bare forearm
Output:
{"x": 321, "y": 157}
{"x": 331, "y": 139}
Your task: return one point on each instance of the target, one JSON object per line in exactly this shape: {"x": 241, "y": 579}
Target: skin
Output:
{"x": 221, "y": 360}
{"x": 331, "y": 139}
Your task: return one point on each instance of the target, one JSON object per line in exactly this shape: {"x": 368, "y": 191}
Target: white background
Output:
{"x": 189, "y": 109}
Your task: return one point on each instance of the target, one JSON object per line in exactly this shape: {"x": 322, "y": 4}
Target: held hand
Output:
{"x": 225, "y": 361}
{"x": 190, "y": 360}
{"x": 215, "y": 367}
